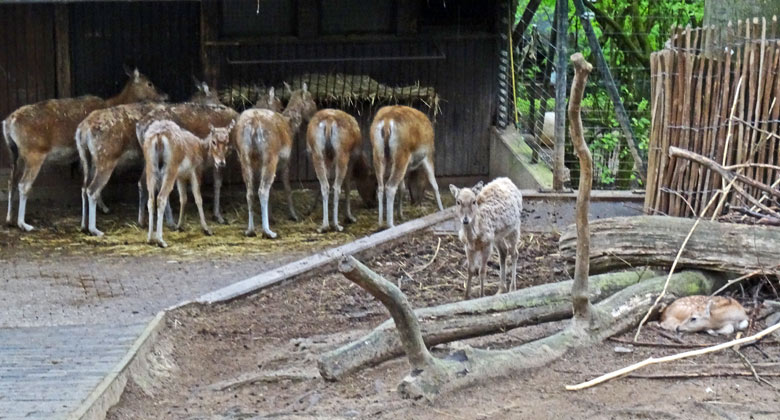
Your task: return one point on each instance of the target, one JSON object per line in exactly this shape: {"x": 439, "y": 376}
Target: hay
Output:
{"x": 339, "y": 89}
{"x": 125, "y": 238}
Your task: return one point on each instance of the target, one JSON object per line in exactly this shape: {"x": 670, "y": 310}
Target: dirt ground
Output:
{"x": 256, "y": 358}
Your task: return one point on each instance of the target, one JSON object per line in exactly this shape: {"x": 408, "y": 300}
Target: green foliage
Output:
{"x": 628, "y": 32}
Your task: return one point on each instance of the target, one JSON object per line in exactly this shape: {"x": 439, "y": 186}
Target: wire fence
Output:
{"x": 627, "y": 53}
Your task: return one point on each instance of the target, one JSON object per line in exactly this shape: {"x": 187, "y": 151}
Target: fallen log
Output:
{"x": 473, "y": 318}
{"x": 626, "y": 242}
{"x": 431, "y": 376}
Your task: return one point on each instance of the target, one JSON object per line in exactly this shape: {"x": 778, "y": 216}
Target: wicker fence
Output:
{"x": 714, "y": 93}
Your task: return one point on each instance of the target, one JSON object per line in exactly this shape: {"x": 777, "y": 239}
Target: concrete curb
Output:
{"x": 110, "y": 389}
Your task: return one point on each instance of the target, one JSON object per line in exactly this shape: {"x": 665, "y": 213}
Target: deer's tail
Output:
{"x": 13, "y": 149}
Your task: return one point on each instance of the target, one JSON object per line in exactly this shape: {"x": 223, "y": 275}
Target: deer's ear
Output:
{"x": 205, "y": 87}
{"x": 287, "y": 87}
{"x": 271, "y": 94}
{"x": 211, "y": 127}
{"x": 305, "y": 87}
{"x": 454, "y": 191}
{"x": 231, "y": 125}
{"x": 136, "y": 74}
{"x": 708, "y": 309}
{"x": 478, "y": 188}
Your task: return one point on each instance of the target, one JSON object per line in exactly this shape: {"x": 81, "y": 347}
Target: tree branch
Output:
{"x": 629, "y": 46}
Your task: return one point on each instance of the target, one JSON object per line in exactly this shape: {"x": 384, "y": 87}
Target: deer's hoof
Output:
{"x": 323, "y": 229}
{"x": 350, "y": 219}
{"x": 270, "y": 234}
{"x": 25, "y": 227}
{"x": 339, "y": 228}
{"x": 162, "y": 243}
{"x": 221, "y": 220}
{"x": 208, "y": 232}
{"x": 250, "y": 233}
{"x": 105, "y": 210}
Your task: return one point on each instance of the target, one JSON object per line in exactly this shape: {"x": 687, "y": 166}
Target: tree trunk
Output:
{"x": 625, "y": 242}
{"x": 473, "y": 318}
{"x": 431, "y": 376}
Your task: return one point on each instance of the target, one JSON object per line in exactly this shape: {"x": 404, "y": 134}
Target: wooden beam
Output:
{"x": 210, "y": 21}
{"x": 62, "y": 50}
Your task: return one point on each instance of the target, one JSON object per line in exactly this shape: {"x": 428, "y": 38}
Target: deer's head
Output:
{"x": 139, "y": 88}
{"x": 219, "y": 143}
{"x": 466, "y": 202}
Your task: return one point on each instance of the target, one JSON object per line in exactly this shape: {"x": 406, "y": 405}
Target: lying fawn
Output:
{"x": 179, "y": 156}
{"x": 404, "y": 137}
{"x": 715, "y": 314}
{"x": 333, "y": 140}
{"x": 196, "y": 118}
{"x": 44, "y": 132}
{"x": 264, "y": 141}
{"x": 490, "y": 217}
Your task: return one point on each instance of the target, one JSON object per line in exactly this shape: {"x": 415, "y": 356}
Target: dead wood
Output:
{"x": 473, "y": 318}
{"x": 579, "y": 290}
{"x": 430, "y": 376}
{"x": 624, "y": 242}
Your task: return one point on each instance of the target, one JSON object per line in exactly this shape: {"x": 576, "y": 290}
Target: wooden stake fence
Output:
{"x": 699, "y": 79}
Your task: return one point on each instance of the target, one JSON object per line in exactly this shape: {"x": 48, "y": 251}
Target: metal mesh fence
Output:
{"x": 627, "y": 41}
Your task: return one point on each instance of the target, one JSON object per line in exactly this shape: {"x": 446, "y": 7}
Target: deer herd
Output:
{"x": 176, "y": 143}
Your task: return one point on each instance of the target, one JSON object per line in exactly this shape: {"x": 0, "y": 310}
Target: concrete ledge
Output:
{"x": 110, "y": 389}
{"x": 260, "y": 281}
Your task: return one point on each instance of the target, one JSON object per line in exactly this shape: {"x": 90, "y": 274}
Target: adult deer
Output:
{"x": 402, "y": 136}
{"x": 264, "y": 141}
{"x": 44, "y": 131}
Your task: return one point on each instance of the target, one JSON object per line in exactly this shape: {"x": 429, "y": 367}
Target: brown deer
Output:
{"x": 195, "y": 118}
{"x": 263, "y": 139}
{"x": 714, "y": 314}
{"x": 44, "y": 132}
{"x": 173, "y": 154}
{"x": 404, "y": 137}
{"x": 204, "y": 94}
{"x": 270, "y": 101}
{"x": 107, "y": 138}
{"x": 333, "y": 140}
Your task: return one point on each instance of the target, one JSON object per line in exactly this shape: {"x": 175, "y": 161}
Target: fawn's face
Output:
{"x": 205, "y": 95}
{"x": 219, "y": 142}
{"x": 698, "y": 320}
{"x": 466, "y": 202}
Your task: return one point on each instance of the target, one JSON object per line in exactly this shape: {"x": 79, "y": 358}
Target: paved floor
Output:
{"x": 45, "y": 372}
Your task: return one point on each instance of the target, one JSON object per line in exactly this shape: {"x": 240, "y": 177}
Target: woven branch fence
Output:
{"x": 714, "y": 93}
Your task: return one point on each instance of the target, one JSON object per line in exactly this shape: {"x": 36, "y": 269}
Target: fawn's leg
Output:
{"x": 428, "y": 165}
{"x": 511, "y": 241}
{"x": 32, "y": 166}
{"x": 195, "y": 182}
{"x": 266, "y": 180}
{"x": 379, "y": 167}
{"x": 473, "y": 268}
{"x": 287, "y": 189}
{"x": 502, "y": 254}
{"x": 99, "y": 181}
{"x": 322, "y": 175}
{"x": 17, "y": 167}
{"x": 217, "y": 191}
{"x": 182, "y": 187}
{"x": 484, "y": 255}
{"x": 162, "y": 201}
{"x": 247, "y": 173}
{"x": 142, "y": 198}
{"x": 151, "y": 187}
{"x": 348, "y": 191}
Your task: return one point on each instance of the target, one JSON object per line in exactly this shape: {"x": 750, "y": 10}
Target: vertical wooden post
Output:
{"x": 612, "y": 90}
{"x": 62, "y": 47}
{"x": 562, "y": 18}
{"x": 210, "y": 20}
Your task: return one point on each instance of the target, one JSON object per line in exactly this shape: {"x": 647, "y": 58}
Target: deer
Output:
{"x": 196, "y": 118}
{"x": 173, "y": 154}
{"x": 490, "y": 216}
{"x": 264, "y": 139}
{"x": 269, "y": 100}
{"x": 44, "y": 132}
{"x": 333, "y": 140}
{"x": 108, "y": 138}
{"x": 402, "y": 136}
{"x": 717, "y": 315}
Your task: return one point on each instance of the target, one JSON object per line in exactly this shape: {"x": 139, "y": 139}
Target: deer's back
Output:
{"x": 500, "y": 206}
{"x": 110, "y": 132}
{"x": 50, "y": 124}
{"x": 414, "y": 129}
{"x": 724, "y": 310}
{"x": 347, "y": 128}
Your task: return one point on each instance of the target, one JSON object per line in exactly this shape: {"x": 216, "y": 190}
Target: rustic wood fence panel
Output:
{"x": 713, "y": 93}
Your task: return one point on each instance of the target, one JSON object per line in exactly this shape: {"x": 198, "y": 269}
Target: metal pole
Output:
{"x": 562, "y": 18}
{"x": 620, "y": 112}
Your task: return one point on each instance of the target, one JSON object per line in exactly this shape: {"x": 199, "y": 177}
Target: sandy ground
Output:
{"x": 256, "y": 357}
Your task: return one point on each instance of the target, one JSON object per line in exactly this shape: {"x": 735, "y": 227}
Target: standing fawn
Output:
{"x": 44, "y": 132}
{"x": 716, "y": 315}
{"x": 176, "y": 155}
{"x": 195, "y": 118}
{"x": 490, "y": 216}
{"x": 264, "y": 141}
{"x": 333, "y": 140}
{"x": 404, "y": 137}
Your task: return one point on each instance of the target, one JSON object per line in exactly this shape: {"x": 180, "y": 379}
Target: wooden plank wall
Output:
{"x": 27, "y": 59}
{"x": 714, "y": 94}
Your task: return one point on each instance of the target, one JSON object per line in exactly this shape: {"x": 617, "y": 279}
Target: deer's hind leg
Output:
{"x": 428, "y": 166}
{"x": 182, "y": 187}
{"x": 99, "y": 181}
{"x": 168, "y": 180}
{"x": 341, "y": 165}
{"x": 285, "y": 162}
{"x": 17, "y": 167}
{"x": 397, "y": 172}
{"x": 321, "y": 169}
{"x": 513, "y": 254}
{"x": 32, "y": 166}
{"x": 268, "y": 173}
